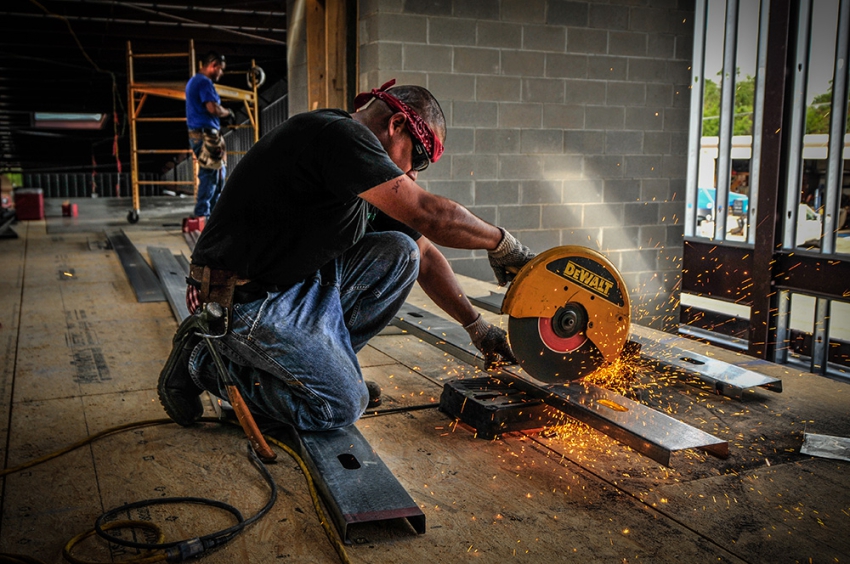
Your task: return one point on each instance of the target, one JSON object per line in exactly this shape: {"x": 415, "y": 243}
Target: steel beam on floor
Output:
{"x": 356, "y": 485}
{"x": 172, "y": 275}
{"x": 141, "y": 276}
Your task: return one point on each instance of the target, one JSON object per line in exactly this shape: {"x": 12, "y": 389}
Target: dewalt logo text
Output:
{"x": 588, "y": 279}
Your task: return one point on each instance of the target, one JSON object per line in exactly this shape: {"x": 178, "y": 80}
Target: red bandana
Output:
{"x": 418, "y": 127}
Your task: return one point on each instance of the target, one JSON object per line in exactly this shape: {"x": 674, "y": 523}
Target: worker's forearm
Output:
{"x": 217, "y": 109}
{"x": 449, "y": 224}
{"x": 440, "y": 284}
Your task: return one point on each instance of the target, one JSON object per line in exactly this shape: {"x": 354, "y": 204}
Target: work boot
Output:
{"x": 178, "y": 393}
{"x": 374, "y": 394}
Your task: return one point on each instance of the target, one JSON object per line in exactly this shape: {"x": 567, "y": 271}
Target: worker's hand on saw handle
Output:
{"x": 491, "y": 341}
{"x": 508, "y": 258}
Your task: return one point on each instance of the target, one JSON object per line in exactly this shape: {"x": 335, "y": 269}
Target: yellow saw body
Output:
{"x": 569, "y": 314}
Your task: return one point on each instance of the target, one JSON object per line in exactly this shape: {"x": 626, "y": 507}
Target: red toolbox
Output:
{"x": 29, "y": 203}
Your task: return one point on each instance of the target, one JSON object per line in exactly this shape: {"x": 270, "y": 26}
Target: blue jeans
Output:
{"x": 293, "y": 355}
{"x": 210, "y": 183}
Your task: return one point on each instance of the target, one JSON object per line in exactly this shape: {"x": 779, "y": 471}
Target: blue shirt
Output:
{"x": 199, "y": 91}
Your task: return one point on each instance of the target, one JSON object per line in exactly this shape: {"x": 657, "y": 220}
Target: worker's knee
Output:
{"x": 405, "y": 251}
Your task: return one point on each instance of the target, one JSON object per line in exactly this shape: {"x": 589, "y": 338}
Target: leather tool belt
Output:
{"x": 216, "y": 285}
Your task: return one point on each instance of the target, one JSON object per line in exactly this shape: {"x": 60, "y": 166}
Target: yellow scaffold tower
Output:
{"x": 138, "y": 93}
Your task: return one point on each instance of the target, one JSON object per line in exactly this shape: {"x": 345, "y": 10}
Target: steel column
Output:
{"x": 837, "y": 129}
{"x": 758, "y": 120}
{"x": 796, "y": 122}
{"x": 762, "y": 337}
{"x": 727, "y": 119}
{"x": 695, "y": 128}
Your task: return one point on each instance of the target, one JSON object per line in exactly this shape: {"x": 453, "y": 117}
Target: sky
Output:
{"x": 822, "y": 56}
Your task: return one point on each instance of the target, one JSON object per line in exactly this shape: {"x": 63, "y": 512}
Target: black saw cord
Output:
{"x": 178, "y": 551}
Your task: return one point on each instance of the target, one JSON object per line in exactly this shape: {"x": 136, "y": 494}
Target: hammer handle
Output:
{"x": 252, "y": 431}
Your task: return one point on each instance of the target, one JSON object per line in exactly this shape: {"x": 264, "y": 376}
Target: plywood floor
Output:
{"x": 78, "y": 355}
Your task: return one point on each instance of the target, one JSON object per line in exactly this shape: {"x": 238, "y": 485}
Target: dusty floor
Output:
{"x": 79, "y": 354}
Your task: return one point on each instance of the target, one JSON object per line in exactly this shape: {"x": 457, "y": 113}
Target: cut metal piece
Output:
{"x": 172, "y": 275}
{"x": 646, "y": 430}
{"x": 728, "y": 379}
{"x": 356, "y": 485}
{"x": 142, "y": 278}
{"x": 826, "y": 446}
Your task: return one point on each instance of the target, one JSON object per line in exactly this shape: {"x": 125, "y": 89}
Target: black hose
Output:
{"x": 178, "y": 551}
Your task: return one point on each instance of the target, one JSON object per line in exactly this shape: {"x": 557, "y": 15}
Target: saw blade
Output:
{"x": 547, "y": 357}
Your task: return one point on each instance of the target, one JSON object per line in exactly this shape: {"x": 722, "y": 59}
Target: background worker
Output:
{"x": 203, "y": 114}
{"x": 313, "y": 286}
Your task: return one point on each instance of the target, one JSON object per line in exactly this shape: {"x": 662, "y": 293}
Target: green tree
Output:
{"x": 744, "y": 98}
{"x": 711, "y": 109}
{"x": 819, "y": 111}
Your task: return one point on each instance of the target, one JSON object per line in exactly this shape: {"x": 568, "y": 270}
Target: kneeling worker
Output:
{"x": 310, "y": 284}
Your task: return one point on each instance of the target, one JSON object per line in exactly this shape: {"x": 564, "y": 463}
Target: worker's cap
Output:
{"x": 418, "y": 128}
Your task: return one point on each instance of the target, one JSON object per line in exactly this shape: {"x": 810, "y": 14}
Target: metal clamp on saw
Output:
{"x": 569, "y": 314}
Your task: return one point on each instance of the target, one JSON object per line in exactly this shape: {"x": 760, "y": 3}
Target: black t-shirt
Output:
{"x": 379, "y": 221}
{"x": 291, "y": 204}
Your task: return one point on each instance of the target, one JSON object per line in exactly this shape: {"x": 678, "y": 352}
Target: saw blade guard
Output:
{"x": 574, "y": 278}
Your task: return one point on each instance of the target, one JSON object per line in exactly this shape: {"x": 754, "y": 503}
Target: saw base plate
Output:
{"x": 493, "y": 407}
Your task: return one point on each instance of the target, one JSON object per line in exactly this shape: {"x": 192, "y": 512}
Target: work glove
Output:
{"x": 229, "y": 119}
{"x": 491, "y": 341}
{"x": 508, "y": 258}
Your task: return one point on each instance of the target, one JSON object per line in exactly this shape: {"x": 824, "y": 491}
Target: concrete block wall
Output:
{"x": 567, "y": 123}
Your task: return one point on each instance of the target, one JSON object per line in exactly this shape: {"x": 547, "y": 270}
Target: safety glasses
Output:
{"x": 419, "y": 158}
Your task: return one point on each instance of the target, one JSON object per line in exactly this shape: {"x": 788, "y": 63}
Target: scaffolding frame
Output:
{"x": 137, "y": 95}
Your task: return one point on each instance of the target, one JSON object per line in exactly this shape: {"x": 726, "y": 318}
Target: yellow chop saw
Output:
{"x": 568, "y": 314}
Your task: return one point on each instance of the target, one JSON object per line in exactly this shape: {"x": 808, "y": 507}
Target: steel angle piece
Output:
{"x": 172, "y": 274}
{"x": 652, "y": 433}
{"x": 491, "y": 302}
{"x": 727, "y": 379}
{"x": 141, "y": 276}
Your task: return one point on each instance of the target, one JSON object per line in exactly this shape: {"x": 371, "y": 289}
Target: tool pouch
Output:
{"x": 212, "y": 150}
{"x": 216, "y": 286}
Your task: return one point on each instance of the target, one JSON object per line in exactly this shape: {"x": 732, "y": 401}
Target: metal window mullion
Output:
{"x": 695, "y": 129}
{"x": 758, "y": 120}
{"x": 727, "y": 119}
{"x": 783, "y": 321}
{"x": 820, "y": 336}
{"x": 837, "y": 126}
{"x": 798, "y": 126}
